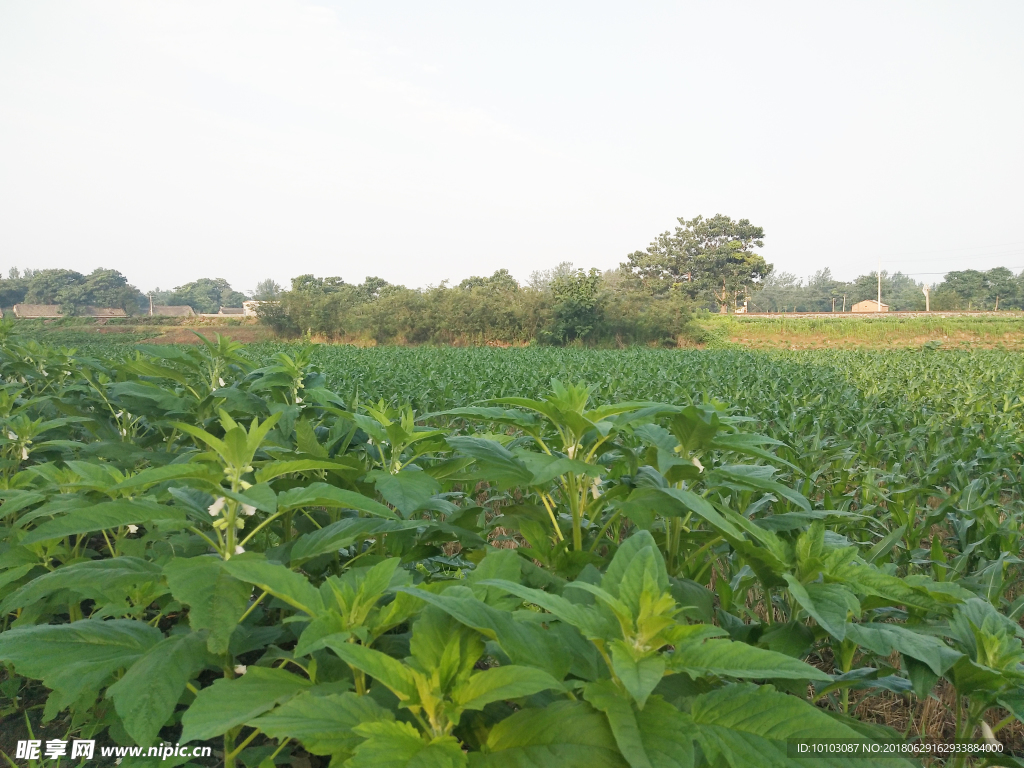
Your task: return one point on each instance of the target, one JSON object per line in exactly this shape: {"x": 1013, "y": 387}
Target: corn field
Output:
{"x": 498, "y": 558}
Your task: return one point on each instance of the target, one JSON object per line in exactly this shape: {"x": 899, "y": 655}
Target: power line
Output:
{"x": 962, "y": 248}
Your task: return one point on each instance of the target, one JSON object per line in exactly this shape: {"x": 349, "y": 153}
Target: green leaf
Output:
{"x": 502, "y": 683}
{"x": 497, "y": 464}
{"x": 381, "y": 667}
{"x": 566, "y": 734}
{"x": 726, "y": 658}
{"x": 146, "y": 696}
{"x": 605, "y": 697}
{"x": 883, "y": 639}
{"x": 408, "y": 490}
{"x": 827, "y": 604}
{"x": 216, "y": 599}
{"x": 274, "y": 578}
{"x": 399, "y": 745}
{"x": 344, "y": 533}
{"x": 228, "y": 703}
{"x": 76, "y": 657}
{"x": 640, "y": 545}
{"x": 324, "y": 495}
{"x": 578, "y": 616}
{"x": 544, "y": 468}
{"x": 640, "y": 677}
{"x": 93, "y": 579}
{"x": 525, "y": 643}
{"x": 15, "y": 501}
{"x": 667, "y": 734}
{"x": 321, "y": 723}
{"x": 744, "y": 725}
{"x": 747, "y": 477}
{"x": 156, "y": 475}
{"x": 868, "y": 580}
{"x": 101, "y": 517}
{"x": 276, "y": 469}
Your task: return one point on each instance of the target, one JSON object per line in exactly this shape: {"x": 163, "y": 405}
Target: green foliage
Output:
{"x": 106, "y": 288}
{"x": 709, "y": 258}
{"x": 231, "y": 546}
{"x": 204, "y": 295}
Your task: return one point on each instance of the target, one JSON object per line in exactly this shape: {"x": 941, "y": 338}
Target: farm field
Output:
{"x": 326, "y": 555}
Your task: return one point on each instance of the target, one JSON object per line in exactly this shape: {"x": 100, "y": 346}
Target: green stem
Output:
{"x": 260, "y": 527}
{"x": 250, "y": 609}
{"x": 604, "y": 530}
{"x": 241, "y": 746}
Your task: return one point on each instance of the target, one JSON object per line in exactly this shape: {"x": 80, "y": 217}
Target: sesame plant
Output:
{"x": 200, "y": 545}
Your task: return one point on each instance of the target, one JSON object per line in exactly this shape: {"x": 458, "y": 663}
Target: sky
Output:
{"x": 418, "y": 142}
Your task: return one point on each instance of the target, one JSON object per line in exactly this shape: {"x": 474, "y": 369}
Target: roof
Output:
{"x": 872, "y": 302}
{"x": 168, "y": 311}
{"x": 37, "y": 310}
{"x": 232, "y": 311}
{"x": 53, "y": 310}
{"x": 101, "y": 312}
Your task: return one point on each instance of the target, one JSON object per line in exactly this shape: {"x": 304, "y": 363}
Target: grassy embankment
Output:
{"x": 759, "y": 332}
{"x": 795, "y": 332}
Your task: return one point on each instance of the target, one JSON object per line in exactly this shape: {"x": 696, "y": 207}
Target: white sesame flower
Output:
{"x": 118, "y": 414}
{"x": 298, "y": 399}
{"x": 124, "y": 432}
{"x": 215, "y": 508}
{"x": 249, "y": 510}
{"x": 697, "y": 464}
{"x": 239, "y": 549}
{"x": 11, "y": 435}
{"x": 133, "y": 529}
{"x": 24, "y": 454}
{"x": 118, "y": 761}
{"x": 221, "y": 380}
{"x": 43, "y": 371}
{"x": 240, "y": 669}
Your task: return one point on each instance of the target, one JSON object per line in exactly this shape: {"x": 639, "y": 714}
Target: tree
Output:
{"x": 1001, "y": 287}
{"x": 109, "y": 288}
{"x": 541, "y": 279}
{"x": 576, "y": 308}
{"x": 207, "y": 295}
{"x": 267, "y": 290}
{"x": 711, "y": 257}
{"x": 966, "y": 288}
{"x": 780, "y": 292}
{"x": 46, "y": 286}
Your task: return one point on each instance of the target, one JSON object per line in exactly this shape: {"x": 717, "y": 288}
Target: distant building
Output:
{"x": 226, "y": 312}
{"x": 179, "y": 311}
{"x": 869, "y": 305}
{"x": 38, "y": 311}
{"x": 252, "y": 306}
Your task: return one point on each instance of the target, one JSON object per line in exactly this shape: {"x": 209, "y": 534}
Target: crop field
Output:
{"x": 507, "y": 558}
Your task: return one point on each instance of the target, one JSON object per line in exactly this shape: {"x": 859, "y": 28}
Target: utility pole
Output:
{"x": 844, "y": 303}
{"x": 879, "y": 284}
{"x": 833, "y": 304}
{"x": 927, "y": 299}
{"x": 150, "y": 303}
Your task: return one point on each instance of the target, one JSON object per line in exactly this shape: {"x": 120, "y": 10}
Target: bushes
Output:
{"x": 573, "y": 307}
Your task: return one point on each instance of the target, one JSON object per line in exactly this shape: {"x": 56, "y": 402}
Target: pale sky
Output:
{"x": 421, "y": 141}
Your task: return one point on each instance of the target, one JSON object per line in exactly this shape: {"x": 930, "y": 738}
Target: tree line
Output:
{"x": 73, "y": 291}
{"x": 964, "y": 290}
{"x": 703, "y": 264}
